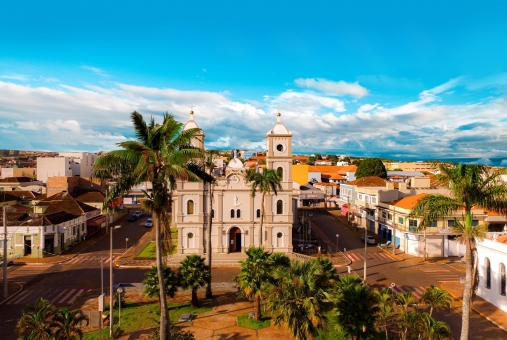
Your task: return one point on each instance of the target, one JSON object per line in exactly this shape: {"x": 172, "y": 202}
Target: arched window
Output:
{"x": 487, "y": 267}
{"x": 280, "y": 173}
{"x": 279, "y": 207}
{"x": 258, "y": 213}
{"x": 238, "y": 213}
{"x": 212, "y": 213}
{"x": 190, "y": 207}
{"x": 502, "y": 279}
{"x": 190, "y": 240}
{"x": 232, "y": 213}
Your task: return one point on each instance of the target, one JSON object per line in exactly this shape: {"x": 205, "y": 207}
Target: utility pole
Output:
{"x": 5, "y": 252}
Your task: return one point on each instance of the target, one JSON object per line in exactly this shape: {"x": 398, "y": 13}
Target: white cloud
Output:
{"x": 95, "y": 70}
{"x": 332, "y": 87}
{"x": 20, "y": 77}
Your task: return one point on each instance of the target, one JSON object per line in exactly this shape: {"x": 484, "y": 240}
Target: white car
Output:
{"x": 149, "y": 223}
{"x": 137, "y": 214}
{"x": 370, "y": 239}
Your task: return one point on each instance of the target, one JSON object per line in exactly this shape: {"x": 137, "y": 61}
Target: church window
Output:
{"x": 280, "y": 173}
{"x": 258, "y": 213}
{"x": 232, "y": 213}
{"x": 212, "y": 213}
{"x": 280, "y": 147}
{"x": 487, "y": 266}
{"x": 279, "y": 235}
{"x": 279, "y": 207}
{"x": 190, "y": 207}
{"x": 238, "y": 213}
{"x": 502, "y": 279}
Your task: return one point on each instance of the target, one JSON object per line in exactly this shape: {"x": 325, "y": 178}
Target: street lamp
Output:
{"x": 126, "y": 244}
{"x": 337, "y": 236}
{"x": 111, "y": 319}
{"x": 119, "y": 291}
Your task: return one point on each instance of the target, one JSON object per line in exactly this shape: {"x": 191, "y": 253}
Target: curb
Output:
{"x": 13, "y": 295}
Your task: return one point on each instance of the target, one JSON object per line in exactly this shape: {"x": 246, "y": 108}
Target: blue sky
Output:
{"x": 399, "y": 79}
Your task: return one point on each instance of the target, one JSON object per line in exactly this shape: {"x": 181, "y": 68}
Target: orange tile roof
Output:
{"x": 502, "y": 239}
{"x": 369, "y": 181}
{"x": 409, "y": 202}
{"x": 337, "y": 177}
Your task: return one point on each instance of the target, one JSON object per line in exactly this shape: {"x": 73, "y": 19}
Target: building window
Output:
{"x": 279, "y": 235}
{"x": 280, "y": 173}
{"x": 487, "y": 267}
{"x": 400, "y": 220}
{"x": 258, "y": 213}
{"x": 451, "y": 223}
{"x": 212, "y": 213}
{"x": 502, "y": 279}
{"x": 412, "y": 226}
{"x": 475, "y": 223}
{"x": 374, "y": 200}
{"x": 384, "y": 214}
{"x": 232, "y": 213}
{"x": 190, "y": 207}
{"x": 389, "y": 216}
{"x": 279, "y": 207}
{"x": 433, "y": 224}
{"x": 238, "y": 213}
{"x": 190, "y": 240}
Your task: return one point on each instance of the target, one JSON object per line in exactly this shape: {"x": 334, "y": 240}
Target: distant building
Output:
{"x": 66, "y": 164}
{"x": 18, "y": 172}
{"x": 492, "y": 260}
{"x": 410, "y": 166}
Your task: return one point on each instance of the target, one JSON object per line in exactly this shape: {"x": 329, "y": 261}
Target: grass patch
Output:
{"x": 136, "y": 316}
{"x": 149, "y": 250}
{"x": 247, "y": 322}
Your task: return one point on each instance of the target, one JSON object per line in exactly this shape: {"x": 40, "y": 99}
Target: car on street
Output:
{"x": 370, "y": 239}
{"x": 132, "y": 218}
{"x": 137, "y": 214}
{"x": 149, "y": 223}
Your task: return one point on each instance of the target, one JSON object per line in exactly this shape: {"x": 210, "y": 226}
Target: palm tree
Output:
{"x": 210, "y": 166}
{"x": 193, "y": 274}
{"x": 68, "y": 324}
{"x": 433, "y": 330}
{"x": 404, "y": 301}
{"x": 356, "y": 307}
{"x": 385, "y": 306}
{"x": 297, "y": 298}
{"x": 254, "y": 273}
{"x": 159, "y": 154}
{"x": 469, "y": 186}
{"x": 151, "y": 283}
{"x": 436, "y": 298}
{"x": 265, "y": 182}
{"x": 37, "y": 320}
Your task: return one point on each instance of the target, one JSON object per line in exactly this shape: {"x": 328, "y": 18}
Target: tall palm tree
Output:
{"x": 151, "y": 283}
{"x": 68, "y": 324}
{"x": 37, "y": 320}
{"x": 469, "y": 186}
{"x": 159, "y": 154}
{"x": 265, "y": 182}
{"x": 254, "y": 274}
{"x": 436, "y": 298}
{"x": 210, "y": 166}
{"x": 193, "y": 274}
{"x": 385, "y": 306}
{"x": 298, "y": 298}
{"x": 433, "y": 330}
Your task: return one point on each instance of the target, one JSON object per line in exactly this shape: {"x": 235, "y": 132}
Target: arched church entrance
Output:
{"x": 235, "y": 240}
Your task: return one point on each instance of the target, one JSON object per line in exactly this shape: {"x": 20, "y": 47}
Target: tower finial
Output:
{"x": 191, "y": 112}
{"x": 278, "y": 115}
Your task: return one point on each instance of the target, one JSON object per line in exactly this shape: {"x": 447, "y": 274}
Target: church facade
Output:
{"x": 236, "y": 214}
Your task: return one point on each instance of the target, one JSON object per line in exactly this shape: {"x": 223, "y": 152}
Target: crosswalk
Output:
{"x": 417, "y": 291}
{"x": 24, "y": 274}
{"x": 441, "y": 274}
{"x": 89, "y": 259}
{"x": 318, "y": 214}
{"x": 55, "y": 296}
{"x": 355, "y": 257}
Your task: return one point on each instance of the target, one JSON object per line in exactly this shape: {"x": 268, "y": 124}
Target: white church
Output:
{"x": 236, "y": 214}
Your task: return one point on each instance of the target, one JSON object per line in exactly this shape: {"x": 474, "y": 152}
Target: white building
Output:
{"x": 236, "y": 215}
{"x": 492, "y": 255}
{"x": 66, "y": 164}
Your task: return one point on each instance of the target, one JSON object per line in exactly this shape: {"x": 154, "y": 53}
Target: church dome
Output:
{"x": 235, "y": 163}
{"x": 279, "y": 128}
{"x": 191, "y": 124}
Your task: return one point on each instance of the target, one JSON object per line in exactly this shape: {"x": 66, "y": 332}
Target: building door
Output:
{"x": 235, "y": 240}
{"x": 28, "y": 245}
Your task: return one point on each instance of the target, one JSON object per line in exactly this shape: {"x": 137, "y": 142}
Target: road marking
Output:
{"x": 87, "y": 259}
{"x": 354, "y": 257}
{"x": 416, "y": 291}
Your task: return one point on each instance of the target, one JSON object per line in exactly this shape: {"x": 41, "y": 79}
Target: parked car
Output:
{"x": 137, "y": 214}
{"x": 370, "y": 239}
{"x": 149, "y": 223}
{"x": 131, "y": 218}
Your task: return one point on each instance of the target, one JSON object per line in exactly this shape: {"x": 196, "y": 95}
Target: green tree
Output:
{"x": 264, "y": 182}
{"x": 436, "y": 298}
{"x": 37, "y": 321}
{"x": 357, "y": 307}
{"x": 193, "y": 274}
{"x": 406, "y": 317}
{"x": 432, "y": 329}
{"x": 371, "y": 167}
{"x": 69, "y": 323}
{"x": 385, "y": 313}
{"x": 298, "y": 298}
{"x": 151, "y": 283}
{"x": 469, "y": 186}
{"x": 210, "y": 182}
{"x": 254, "y": 273}
{"x": 160, "y": 155}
